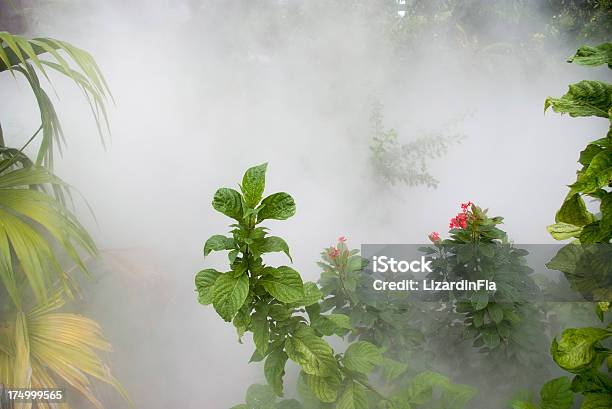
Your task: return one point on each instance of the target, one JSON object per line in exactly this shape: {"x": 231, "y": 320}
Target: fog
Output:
{"x": 204, "y": 90}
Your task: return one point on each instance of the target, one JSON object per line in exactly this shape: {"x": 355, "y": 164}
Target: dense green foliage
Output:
{"x": 586, "y": 262}
{"x": 288, "y": 319}
{"x": 41, "y": 240}
{"x": 504, "y": 324}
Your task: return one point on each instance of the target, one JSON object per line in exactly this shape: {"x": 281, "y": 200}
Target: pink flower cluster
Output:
{"x": 434, "y": 236}
{"x": 460, "y": 221}
{"x": 333, "y": 251}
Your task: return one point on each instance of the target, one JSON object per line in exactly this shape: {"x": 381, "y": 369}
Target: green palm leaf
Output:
{"x": 32, "y": 224}
{"x": 18, "y": 54}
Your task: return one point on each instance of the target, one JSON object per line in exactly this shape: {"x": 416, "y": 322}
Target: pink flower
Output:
{"x": 333, "y": 252}
{"x": 434, "y": 237}
{"x": 465, "y": 206}
{"x": 341, "y": 239}
{"x": 459, "y": 221}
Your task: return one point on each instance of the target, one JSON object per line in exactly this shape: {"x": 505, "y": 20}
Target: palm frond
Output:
{"x": 41, "y": 55}
{"x": 32, "y": 222}
{"x": 51, "y": 347}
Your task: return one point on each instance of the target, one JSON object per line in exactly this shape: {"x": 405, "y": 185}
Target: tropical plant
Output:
{"x": 41, "y": 240}
{"x": 285, "y": 316}
{"x": 396, "y": 162}
{"x": 586, "y": 262}
{"x": 503, "y": 323}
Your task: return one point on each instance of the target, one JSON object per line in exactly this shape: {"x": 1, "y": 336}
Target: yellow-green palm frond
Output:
{"x": 61, "y": 348}
{"x": 18, "y": 54}
{"x": 33, "y": 224}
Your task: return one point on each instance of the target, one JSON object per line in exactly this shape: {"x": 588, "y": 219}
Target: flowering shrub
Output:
{"x": 498, "y": 323}
{"x": 288, "y": 321}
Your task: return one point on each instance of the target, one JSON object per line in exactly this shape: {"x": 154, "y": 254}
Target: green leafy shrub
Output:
{"x": 288, "y": 322}
{"x": 586, "y": 262}
{"x": 503, "y": 323}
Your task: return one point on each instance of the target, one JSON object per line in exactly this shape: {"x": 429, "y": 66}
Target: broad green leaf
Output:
{"x": 557, "y": 394}
{"x": 420, "y": 388}
{"x": 277, "y": 206}
{"x": 353, "y": 396}
{"x": 495, "y": 312}
{"x": 253, "y": 184}
{"x": 362, "y": 357}
{"x": 563, "y": 231}
{"x": 480, "y": 300}
{"x": 597, "y": 401}
{"x": 261, "y": 330}
{"x": 242, "y": 321}
{"x": 229, "y": 293}
{"x": 587, "y": 155}
{"x": 566, "y": 258}
{"x": 205, "y": 281}
{"x": 593, "y": 56}
{"x": 594, "y": 233}
{"x": 575, "y": 350}
{"x": 218, "y": 243}
{"x": 270, "y": 244}
{"x": 597, "y": 175}
{"x": 312, "y": 353}
{"x": 260, "y": 397}
{"x": 279, "y": 312}
{"x": 574, "y": 212}
{"x": 392, "y": 369}
{"x": 585, "y": 98}
{"x": 331, "y": 324}
{"x": 283, "y": 283}
{"x": 229, "y": 202}
{"x": 312, "y": 294}
{"x": 324, "y": 388}
{"x": 274, "y": 370}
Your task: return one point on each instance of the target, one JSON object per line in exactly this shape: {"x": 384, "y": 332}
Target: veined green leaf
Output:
{"x": 218, "y": 242}
{"x": 574, "y": 212}
{"x": 593, "y": 56}
{"x": 575, "y": 350}
{"x": 277, "y": 206}
{"x": 392, "y": 369}
{"x": 274, "y": 370}
{"x": 362, "y": 357}
{"x": 557, "y": 394}
{"x": 260, "y": 397}
{"x": 597, "y": 175}
{"x": 270, "y": 244}
{"x": 205, "y": 281}
{"x": 229, "y": 202}
{"x": 261, "y": 330}
{"x": 585, "y": 98}
{"x": 229, "y": 294}
{"x": 324, "y": 388}
{"x": 312, "y": 353}
{"x": 353, "y": 396}
{"x": 563, "y": 231}
{"x": 312, "y": 294}
{"x": 253, "y": 184}
{"x": 284, "y": 284}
